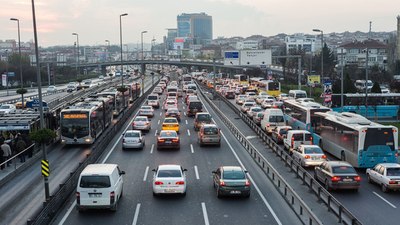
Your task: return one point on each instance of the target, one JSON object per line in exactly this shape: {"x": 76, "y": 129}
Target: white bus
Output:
{"x": 355, "y": 139}
{"x": 118, "y": 100}
{"x": 83, "y": 122}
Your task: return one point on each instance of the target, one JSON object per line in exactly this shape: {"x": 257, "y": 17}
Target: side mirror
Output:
{"x": 246, "y": 171}
{"x": 184, "y": 169}
{"x": 122, "y": 172}
{"x": 213, "y": 172}
{"x": 154, "y": 170}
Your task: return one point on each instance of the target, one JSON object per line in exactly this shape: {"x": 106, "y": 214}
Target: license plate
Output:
{"x": 347, "y": 180}
{"x": 235, "y": 192}
{"x": 168, "y": 142}
{"x": 94, "y": 195}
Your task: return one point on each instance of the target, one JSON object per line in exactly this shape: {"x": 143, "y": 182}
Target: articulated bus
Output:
{"x": 83, "y": 122}
{"x": 118, "y": 100}
{"x": 355, "y": 139}
{"x": 380, "y": 105}
{"x": 241, "y": 79}
{"x": 272, "y": 87}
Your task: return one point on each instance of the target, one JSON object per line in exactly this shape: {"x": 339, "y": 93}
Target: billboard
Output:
{"x": 313, "y": 79}
{"x": 231, "y": 58}
{"x": 255, "y": 57}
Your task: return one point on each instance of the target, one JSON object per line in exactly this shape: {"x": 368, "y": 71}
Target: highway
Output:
{"x": 369, "y": 204}
{"x": 200, "y": 205}
{"x": 24, "y": 194}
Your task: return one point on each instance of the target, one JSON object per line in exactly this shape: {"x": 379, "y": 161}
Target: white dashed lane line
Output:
{"x": 203, "y": 207}
{"x": 152, "y": 148}
{"x": 136, "y": 216}
{"x": 191, "y": 148}
{"x": 196, "y": 172}
{"x": 188, "y": 132}
{"x": 145, "y": 173}
{"x": 186, "y": 122}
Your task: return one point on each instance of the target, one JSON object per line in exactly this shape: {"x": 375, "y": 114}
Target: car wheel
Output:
{"x": 184, "y": 194}
{"x": 155, "y": 194}
{"x": 247, "y": 195}
{"x": 115, "y": 207}
{"x": 122, "y": 193}
{"x": 327, "y": 185}
{"x": 384, "y": 188}
{"x": 123, "y": 149}
{"x": 218, "y": 193}
{"x": 369, "y": 179}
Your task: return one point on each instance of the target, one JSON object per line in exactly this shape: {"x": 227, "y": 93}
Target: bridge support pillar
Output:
{"x": 143, "y": 68}
{"x": 104, "y": 70}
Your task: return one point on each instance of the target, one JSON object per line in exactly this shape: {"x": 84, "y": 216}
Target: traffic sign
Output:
{"x": 11, "y": 74}
{"x": 45, "y": 168}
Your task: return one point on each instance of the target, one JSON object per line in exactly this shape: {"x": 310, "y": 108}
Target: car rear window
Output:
{"x": 168, "y": 134}
{"x": 204, "y": 117}
{"x": 170, "y": 120}
{"x": 195, "y": 105}
{"x": 393, "y": 172}
{"x": 297, "y": 137}
{"x": 276, "y": 119}
{"x": 169, "y": 173}
{"x": 313, "y": 150}
{"x": 233, "y": 175}
{"x": 95, "y": 182}
{"x": 132, "y": 134}
{"x": 152, "y": 97}
{"x": 140, "y": 119}
{"x": 343, "y": 169}
{"x": 210, "y": 130}
{"x": 283, "y": 131}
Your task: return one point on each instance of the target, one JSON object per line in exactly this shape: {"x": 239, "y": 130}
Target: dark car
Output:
{"x": 168, "y": 139}
{"x": 194, "y": 107}
{"x": 230, "y": 95}
{"x": 231, "y": 180}
{"x": 337, "y": 175}
{"x": 200, "y": 119}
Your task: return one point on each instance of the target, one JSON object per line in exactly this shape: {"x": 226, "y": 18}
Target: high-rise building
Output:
{"x": 171, "y": 35}
{"x": 197, "y": 26}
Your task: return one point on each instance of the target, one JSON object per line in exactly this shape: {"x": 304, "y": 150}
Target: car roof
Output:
{"x": 169, "y": 167}
{"x": 232, "y": 168}
{"x": 298, "y": 131}
{"x": 210, "y": 125}
{"x": 338, "y": 163}
{"x": 133, "y": 131}
{"x": 390, "y": 165}
{"x": 310, "y": 146}
{"x": 98, "y": 169}
{"x": 284, "y": 127}
{"x": 141, "y": 117}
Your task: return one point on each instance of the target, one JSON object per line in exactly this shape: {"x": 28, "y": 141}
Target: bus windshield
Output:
{"x": 379, "y": 137}
{"x": 74, "y": 125}
{"x": 273, "y": 86}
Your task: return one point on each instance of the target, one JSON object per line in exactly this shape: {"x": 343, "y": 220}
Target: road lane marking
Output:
{"x": 191, "y": 148}
{"x": 188, "y": 132}
{"x": 152, "y": 148}
{"x": 186, "y": 122}
{"x": 145, "y": 173}
{"x": 203, "y": 207}
{"x": 196, "y": 172}
{"x": 184, "y": 113}
{"x": 155, "y": 133}
{"x": 158, "y": 122}
{"x": 135, "y": 217}
{"x": 384, "y": 200}
{"x": 183, "y": 107}
{"x": 161, "y": 113}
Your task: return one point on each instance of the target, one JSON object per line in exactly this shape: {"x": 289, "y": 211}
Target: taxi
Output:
{"x": 170, "y": 123}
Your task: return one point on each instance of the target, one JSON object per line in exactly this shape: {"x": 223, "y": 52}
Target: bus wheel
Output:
{"x": 342, "y": 156}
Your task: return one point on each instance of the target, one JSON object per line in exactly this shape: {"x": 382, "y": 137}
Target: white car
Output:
{"x": 169, "y": 179}
{"x": 7, "y": 108}
{"x": 309, "y": 155}
{"x": 246, "y": 106}
{"x": 240, "y": 99}
{"x": 133, "y": 139}
{"x": 253, "y": 111}
{"x": 267, "y": 103}
{"x": 51, "y": 89}
{"x": 146, "y": 110}
{"x": 170, "y": 104}
{"x": 387, "y": 175}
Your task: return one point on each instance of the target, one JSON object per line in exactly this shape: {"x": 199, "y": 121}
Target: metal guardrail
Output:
{"x": 343, "y": 214}
{"x": 46, "y": 214}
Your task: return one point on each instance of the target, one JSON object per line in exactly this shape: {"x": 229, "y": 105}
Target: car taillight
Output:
{"x": 311, "y": 139}
{"x": 335, "y": 179}
{"x": 180, "y": 183}
{"x": 133, "y": 124}
{"x": 160, "y": 140}
{"x": 307, "y": 157}
{"x": 221, "y": 183}
{"x": 392, "y": 182}
{"x": 357, "y": 178}
{"x": 112, "y": 197}
{"x": 247, "y": 183}
{"x": 323, "y": 156}
{"x": 158, "y": 183}
{"x": 78, "y": 198}
{"x": 175, "y": 140}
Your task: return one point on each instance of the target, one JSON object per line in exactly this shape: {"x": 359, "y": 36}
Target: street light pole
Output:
{"x": 341, "y": 81}
{"x": 120, "y": 39}
{"x": 108, "y": 54}
{"x": 141, "y": 34}
{"x": 20, "y": 58}
{"x": 7, "y": 70}
{"x": 322, "y": 50}
{"x": 78, "y": 55}
{"x": 39, "y": 82}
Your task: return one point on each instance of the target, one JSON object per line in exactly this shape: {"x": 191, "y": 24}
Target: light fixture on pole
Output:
{"x": 120, "y": 39}
{"x": 141, "y": 34}
{"x": 20, "y": 58}
{"x": 78, "y": 55}
{"x": 322, "y": 50}
{"x": 39, "y": 83}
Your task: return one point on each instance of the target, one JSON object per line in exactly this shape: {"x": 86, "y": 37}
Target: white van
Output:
{"x": 295, "y": 138}
{"x": 294, "y": 94}
{"x": 271, "y": 119}
{"x": 99, "y": 186}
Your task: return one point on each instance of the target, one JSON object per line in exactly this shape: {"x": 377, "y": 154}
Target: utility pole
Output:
{"x": 366, "y": 71}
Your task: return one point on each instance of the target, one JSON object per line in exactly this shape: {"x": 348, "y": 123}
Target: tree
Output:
{"x": 348, "y": 85}
{"x": 43, "y": 136}
{"x": 376, "y": 88}
{"x": 22, "y": 91}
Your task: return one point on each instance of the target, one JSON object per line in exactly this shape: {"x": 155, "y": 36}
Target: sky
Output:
{"x": 98, "y": 20}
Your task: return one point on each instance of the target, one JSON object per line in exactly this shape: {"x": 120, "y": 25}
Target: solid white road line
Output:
{"x": 384, "y": 200}
{"x": 135, "y": 217}
{"x": 254, "y": 184}
{"x": 188, "y": 132}
{"x": 152, "y": 148}
{"x": 191, "y": 148}
{"x": 186, "y": 122}
{"x": 145, "y": 173}
{"x": 196, "y": 172}
{"x": 203, "y": 207}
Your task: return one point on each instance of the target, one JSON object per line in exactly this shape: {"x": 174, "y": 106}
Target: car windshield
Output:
{"x": 170, "y": 120}
{"x": 283, "y": 131}
{"x": 132, "y": 134}
{"x": 4, "y": 107}
{"x": 277, "y": 119}
{"x": 233, "y": 175}
{"x": 393, "y": 172}
{"x": 343, "y": 169}
{"x": 95, "y": 182}
{"x": 168, "y": 134}
{"x": 256, "y": 109}
{"x": 169, "y": 173}
{"x": 313, "y": 150}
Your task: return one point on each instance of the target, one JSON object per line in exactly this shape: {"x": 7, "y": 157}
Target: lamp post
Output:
{"x": 39, "y": 82}
{"x": 78, "y": 55}
{"x": 7, "y": 70}
{"x": 341, "y": 80}
{"x": 141, "y": 34}
{"x": 120, "y": 39}
{"x": 108, "y": 53}
{"x": 322, "y": 50}
{"x": 20, "y": 57}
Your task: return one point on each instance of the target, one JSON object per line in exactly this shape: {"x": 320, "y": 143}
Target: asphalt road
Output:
{"x": 370, "y": 205}
{"x": 24, "y": 195}
{"x": 200, "y": 205}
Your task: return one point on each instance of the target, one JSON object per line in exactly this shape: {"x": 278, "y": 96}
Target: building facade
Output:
{"x": 197, "y": 26}
{"x": 308, "y": 43}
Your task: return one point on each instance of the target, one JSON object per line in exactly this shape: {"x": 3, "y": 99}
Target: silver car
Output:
{"x": 133, "y": 139}
{"x": 309, "y": 155}
{"x": 141, "y": 123}
{"x": 146, "y": 110}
